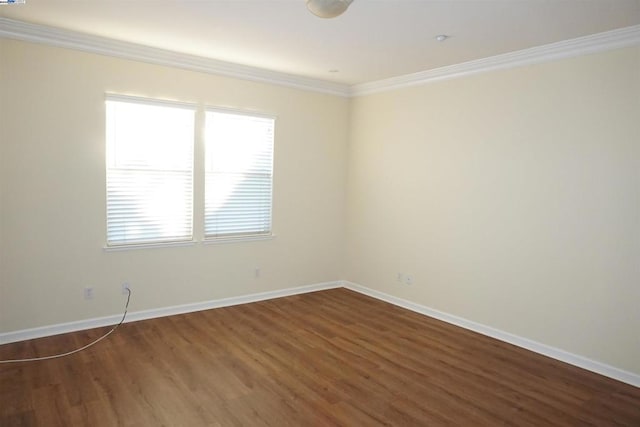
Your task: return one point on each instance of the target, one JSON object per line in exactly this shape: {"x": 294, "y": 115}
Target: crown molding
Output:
{"x": 19, "y": 30}
{"x": 609, "y": 40}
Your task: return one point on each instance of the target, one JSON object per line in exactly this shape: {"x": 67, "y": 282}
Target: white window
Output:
{"x": 239, "y": 169}
{"x": 149, "y": 171}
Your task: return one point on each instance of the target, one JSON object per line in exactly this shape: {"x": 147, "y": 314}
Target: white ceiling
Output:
{"x": 373, "y": 40}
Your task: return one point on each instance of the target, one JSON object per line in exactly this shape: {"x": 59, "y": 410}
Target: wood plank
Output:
{"x": 333, "y": 357}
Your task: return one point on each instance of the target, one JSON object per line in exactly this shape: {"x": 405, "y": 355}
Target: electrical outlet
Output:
{"x": 126, "y": 287}
{"x": 256, "y": 272}
{"x": 400, "y": 278}
{"x": 408, "y": 279}
{"x": 88, "y": 293}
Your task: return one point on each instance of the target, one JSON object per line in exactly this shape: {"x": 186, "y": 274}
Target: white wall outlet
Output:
{"x": 400, "y": 277}
{"x": 408, "y": 279}
{"x": 88, "y": 293}
{"x": 126, "y": 287}
{"x": 256, "y": 272}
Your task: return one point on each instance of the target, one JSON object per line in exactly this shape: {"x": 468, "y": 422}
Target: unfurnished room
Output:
{"x": 319, "y": 213}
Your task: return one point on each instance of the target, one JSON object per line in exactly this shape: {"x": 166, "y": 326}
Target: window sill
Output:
{"x": 226, "y": 240}
{"x": 148, "y": 246}
{"x": 213, "y": 241}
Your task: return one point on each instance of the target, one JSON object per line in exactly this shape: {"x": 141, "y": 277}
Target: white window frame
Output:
{"x": 112, "y": 169}
{"x": 260, "y": 233}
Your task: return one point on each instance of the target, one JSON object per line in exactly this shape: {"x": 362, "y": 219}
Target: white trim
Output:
{"x": 115, "y": 97}
{"x": 63, "y": 328}
{"x": 609, "y": 40}
{"x": 227, "y": 240}
{"x": 159, "y": 245}
{"x": 18, "y": 30}
{"x": 552, "y": 352}
{"x": 240, "y": 112}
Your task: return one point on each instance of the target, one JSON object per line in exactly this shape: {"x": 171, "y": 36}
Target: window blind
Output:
{"x": 238, "y": 174}
{"x": 149, "y": 171}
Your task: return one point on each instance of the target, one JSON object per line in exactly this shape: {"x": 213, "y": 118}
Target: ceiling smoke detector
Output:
{"x": 328, "y": 8}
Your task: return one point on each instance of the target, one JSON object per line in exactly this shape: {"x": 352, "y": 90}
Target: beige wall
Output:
{"x": 53, "y": 191}
{"x": 512, "y": 197}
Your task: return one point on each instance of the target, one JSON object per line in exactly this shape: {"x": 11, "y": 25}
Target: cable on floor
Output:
{"x": 69, "y": 353}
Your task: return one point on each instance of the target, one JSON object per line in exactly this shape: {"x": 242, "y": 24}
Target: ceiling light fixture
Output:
{"x": 328, "y": 8}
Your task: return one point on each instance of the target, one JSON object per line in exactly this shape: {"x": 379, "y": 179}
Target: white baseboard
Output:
{"x": 554, "y": 353}
{"x": 63, "y": 328}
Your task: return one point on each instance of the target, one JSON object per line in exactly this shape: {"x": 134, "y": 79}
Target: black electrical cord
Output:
{"x": 55, "y": 356}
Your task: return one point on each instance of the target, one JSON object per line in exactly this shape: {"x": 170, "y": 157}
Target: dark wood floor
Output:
{"x": 326, "y": 358}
